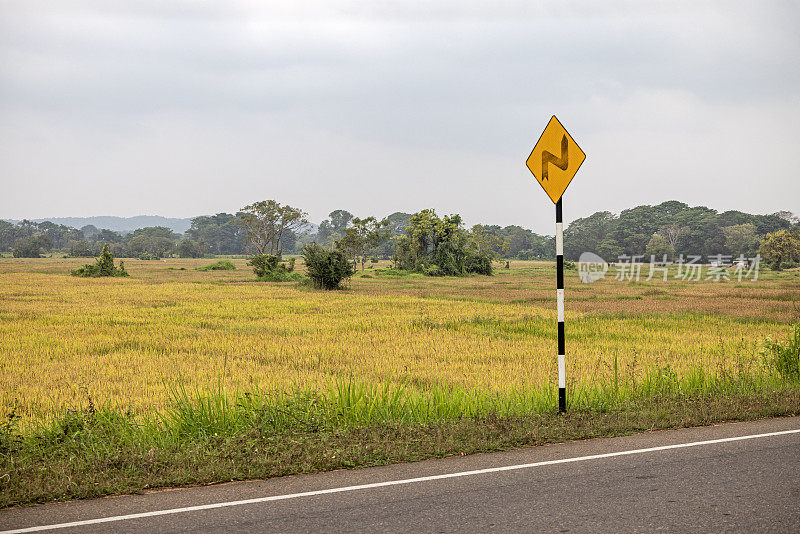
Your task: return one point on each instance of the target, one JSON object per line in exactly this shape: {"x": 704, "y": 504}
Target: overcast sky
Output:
{"x": 188, "y": 108}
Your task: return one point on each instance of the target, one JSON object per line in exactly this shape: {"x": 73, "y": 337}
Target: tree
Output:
{"x": 489, "y": 241}
{"x": 188, "y": 248}
{"x": 767, "y": 224}
{"x": 439, "y": 246}
{"x": 740, "y": 239}
{"x": 787, "y": 216}
{"x": 780, "y": 247}
{"x": 89, "y": 231}
{"x": 32, "y": 246}
{"x": 362, "y": 237}
{"x": 156, "y": 231}
{"x": 658, "y": 247}
{"x": 108, "y": 236}
{"x": 339, "y": 220}
{"x": 587, "y": 235}
{"x": 333, "y": 228}
{"x": 672, "y": 233}
{"x": 151, "y": 245}
{"x": 222, "y": 233}
{"x": 267, "y": 222}
{"x": 324, "y": 233}
{"x": 81, "y": 249}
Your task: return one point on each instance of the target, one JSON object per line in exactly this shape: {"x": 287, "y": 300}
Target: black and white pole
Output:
{"x": 562, "y": 380}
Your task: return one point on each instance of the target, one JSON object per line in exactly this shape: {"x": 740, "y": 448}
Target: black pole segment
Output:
{"x": 562, "y": 390}
{"x": 559, "y": 272}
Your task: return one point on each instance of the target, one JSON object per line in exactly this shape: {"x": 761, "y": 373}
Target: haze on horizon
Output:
{"x": 181, "y": 109}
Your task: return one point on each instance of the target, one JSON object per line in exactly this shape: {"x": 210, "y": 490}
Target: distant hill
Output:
{"x": 121, "y": 224}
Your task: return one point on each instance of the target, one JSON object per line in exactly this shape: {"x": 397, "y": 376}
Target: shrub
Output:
{"x": 478, "y": 264}
{"x": 103, "y": 267}
{"x": 263, "y": 263}
{"x": 265, "y": 266}
{"x": 785, "y": 358}
{"x": 147, "y": 256}
{"x": 221, "y": 265}
{"x": 431, "y": 270}
{"x": 326, "y": 268}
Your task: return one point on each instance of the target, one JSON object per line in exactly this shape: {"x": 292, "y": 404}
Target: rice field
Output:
{"x": 128, "y": 343}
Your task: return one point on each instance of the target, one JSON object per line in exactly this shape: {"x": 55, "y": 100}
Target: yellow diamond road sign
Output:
{"x": 555, "y": 159}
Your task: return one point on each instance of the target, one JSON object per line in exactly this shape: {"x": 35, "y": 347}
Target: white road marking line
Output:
{"x": 391, "y": 483}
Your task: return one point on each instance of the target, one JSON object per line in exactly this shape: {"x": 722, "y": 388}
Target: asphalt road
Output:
{"x": 741, "y": 485}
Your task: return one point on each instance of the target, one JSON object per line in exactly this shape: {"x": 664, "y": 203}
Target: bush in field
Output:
{"x": 326, "y": 268}
{"x": 270, "y": 268}
{"x": 103, "y": 267}
{"x": 479, "y": 264}
{"x": 147, "y": 256}
{"x": 266, "y": 263}
{"x": 221, "y": 265}
{"x": 263, "y": 263}
{"x": 785, "y": 358}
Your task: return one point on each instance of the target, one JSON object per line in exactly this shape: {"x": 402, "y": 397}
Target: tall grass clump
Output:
{"x": 784, "y": 358}
{"x": 221, "y": 265}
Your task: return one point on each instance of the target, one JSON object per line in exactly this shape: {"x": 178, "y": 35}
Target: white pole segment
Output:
{"x": 559, "y": 239}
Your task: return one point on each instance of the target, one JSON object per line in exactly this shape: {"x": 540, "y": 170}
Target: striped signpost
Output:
{"x": 555, "y": 159}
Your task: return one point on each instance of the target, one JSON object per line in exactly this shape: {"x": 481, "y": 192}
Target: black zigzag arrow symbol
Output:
{"x": 562, "y": 162}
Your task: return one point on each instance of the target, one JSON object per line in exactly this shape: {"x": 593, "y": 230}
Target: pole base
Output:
{"x": 562, "y": 400}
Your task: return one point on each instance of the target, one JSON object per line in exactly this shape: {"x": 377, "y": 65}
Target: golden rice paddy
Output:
{"x": 127, "y": 341}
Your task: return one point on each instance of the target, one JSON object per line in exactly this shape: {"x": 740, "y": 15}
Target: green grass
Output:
{"x": 91, "y": 450}
{"x": 280, "y": 275}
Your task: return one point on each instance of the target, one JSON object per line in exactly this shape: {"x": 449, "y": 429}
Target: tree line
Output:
{"x": 673, "y": 229}
{"x": 423, "y": 240}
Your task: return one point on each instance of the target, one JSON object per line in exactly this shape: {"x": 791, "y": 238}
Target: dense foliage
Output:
{"x": 326, "y": 268}
{"x": 271, "y": 266}
{"x": 781, "y": 249}
{"x": 104, "y": 266}
{"x": 672, "y": 228}
{"x": 440, "y": 247}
